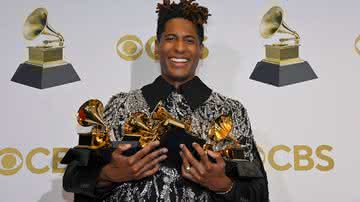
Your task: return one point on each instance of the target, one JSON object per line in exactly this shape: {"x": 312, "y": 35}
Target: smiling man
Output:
{"x": 179, "y": 48}
{"x": 152, "y": 174}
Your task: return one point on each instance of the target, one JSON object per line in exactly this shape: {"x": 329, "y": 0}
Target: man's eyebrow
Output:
{"x": 170, "y": 34}
{"x": 190, "y": 36}
{"x": 185, "y": 36}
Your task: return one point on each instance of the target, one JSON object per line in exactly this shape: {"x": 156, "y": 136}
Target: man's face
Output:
{"x": 179, "y": 49}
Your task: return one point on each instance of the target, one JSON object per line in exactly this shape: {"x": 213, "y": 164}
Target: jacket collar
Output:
{"x": 194, "y": 91}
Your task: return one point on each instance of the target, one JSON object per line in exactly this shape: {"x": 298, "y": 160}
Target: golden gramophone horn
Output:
{"x": 160, "y": 113}
{"x": 221, "y": 129}
{"x": 91, "y": 113}
{"x": 273, "y": 22}
{"x": 137, "y": 122}
{"x": 37, "y": 24}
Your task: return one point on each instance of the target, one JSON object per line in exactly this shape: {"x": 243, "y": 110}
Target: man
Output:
{"x": 144, "y": 176}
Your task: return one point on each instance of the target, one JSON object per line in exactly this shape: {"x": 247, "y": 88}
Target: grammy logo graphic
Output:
{"x": 282, "y": 65}
{"x": 45, "y": 67}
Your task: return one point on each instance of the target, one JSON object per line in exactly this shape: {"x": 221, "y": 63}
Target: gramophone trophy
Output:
{"x": 138, "y": 125}
{"x": 220, "y": 130}
{"x": 282, "y": 64}
{"x": 45, "y": 67}
{"x": 139, "y": 130}
{"x": 90, "y": 114}
{"x": 149, "y": 129}
{"x": 95, "y": 145}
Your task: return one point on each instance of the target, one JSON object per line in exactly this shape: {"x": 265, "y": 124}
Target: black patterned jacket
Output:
{"x": 192, "y": 100}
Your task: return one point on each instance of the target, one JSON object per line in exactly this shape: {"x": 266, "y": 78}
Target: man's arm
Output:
{"x": 229, "y": 180}
{"x": 249, "y": 186}
{"x": 82, "y": 173}
{"x": 81, "y": 178}
{"x": 250, "y": 183}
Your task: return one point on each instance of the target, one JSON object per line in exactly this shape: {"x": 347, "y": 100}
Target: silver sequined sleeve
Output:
{"x": 115, "y": 111}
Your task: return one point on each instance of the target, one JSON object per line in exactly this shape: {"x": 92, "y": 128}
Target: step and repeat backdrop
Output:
{"x": 303, "y": 99}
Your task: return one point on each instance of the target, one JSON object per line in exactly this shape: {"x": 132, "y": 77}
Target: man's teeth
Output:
{"x": 179, "y": 60}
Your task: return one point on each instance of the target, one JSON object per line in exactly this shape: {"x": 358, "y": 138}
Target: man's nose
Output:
{"x": 180, "y": 46}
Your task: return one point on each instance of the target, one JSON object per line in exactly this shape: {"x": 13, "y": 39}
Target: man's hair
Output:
{"x": 186, "y": 9}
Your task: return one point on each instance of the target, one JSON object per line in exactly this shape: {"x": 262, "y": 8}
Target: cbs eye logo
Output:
{"x": 11, "y": 161}
{"x": 357, "y": 45}
{"x": 130, "y": 48}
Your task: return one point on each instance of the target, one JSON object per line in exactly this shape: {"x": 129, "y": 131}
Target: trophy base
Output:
{"x": 282, "y": 75}
{"x": 41, "y": 78}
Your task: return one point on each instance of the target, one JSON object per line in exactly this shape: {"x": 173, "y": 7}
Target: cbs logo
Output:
{"x": 130, "y": 48}
{"x": 12, "y": 160}
{"x": 356, "y": 45}
{"x": 299, "y": 157}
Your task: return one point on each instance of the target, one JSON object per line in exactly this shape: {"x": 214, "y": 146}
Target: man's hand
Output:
{"x": 204, "y": 172}
{"x": 140, "y": 165}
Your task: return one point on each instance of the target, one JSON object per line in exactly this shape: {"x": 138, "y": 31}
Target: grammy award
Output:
{"x": 282, "y": 65}
{"x": 139, "y": 130}
{"x": 219, "y": 131}
{"x": 45, "y": 67}
{"x": 90, "y": 114}
{"x": 100, "y": 136}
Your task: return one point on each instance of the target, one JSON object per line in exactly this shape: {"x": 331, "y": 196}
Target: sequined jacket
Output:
{"x": 192, "y": 100}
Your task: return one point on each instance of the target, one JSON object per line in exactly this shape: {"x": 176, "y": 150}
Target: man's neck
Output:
{"x": 176, "y": 83}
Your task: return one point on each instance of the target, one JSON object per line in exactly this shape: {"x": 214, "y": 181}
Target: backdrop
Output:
{"x": 307, "y": 132}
